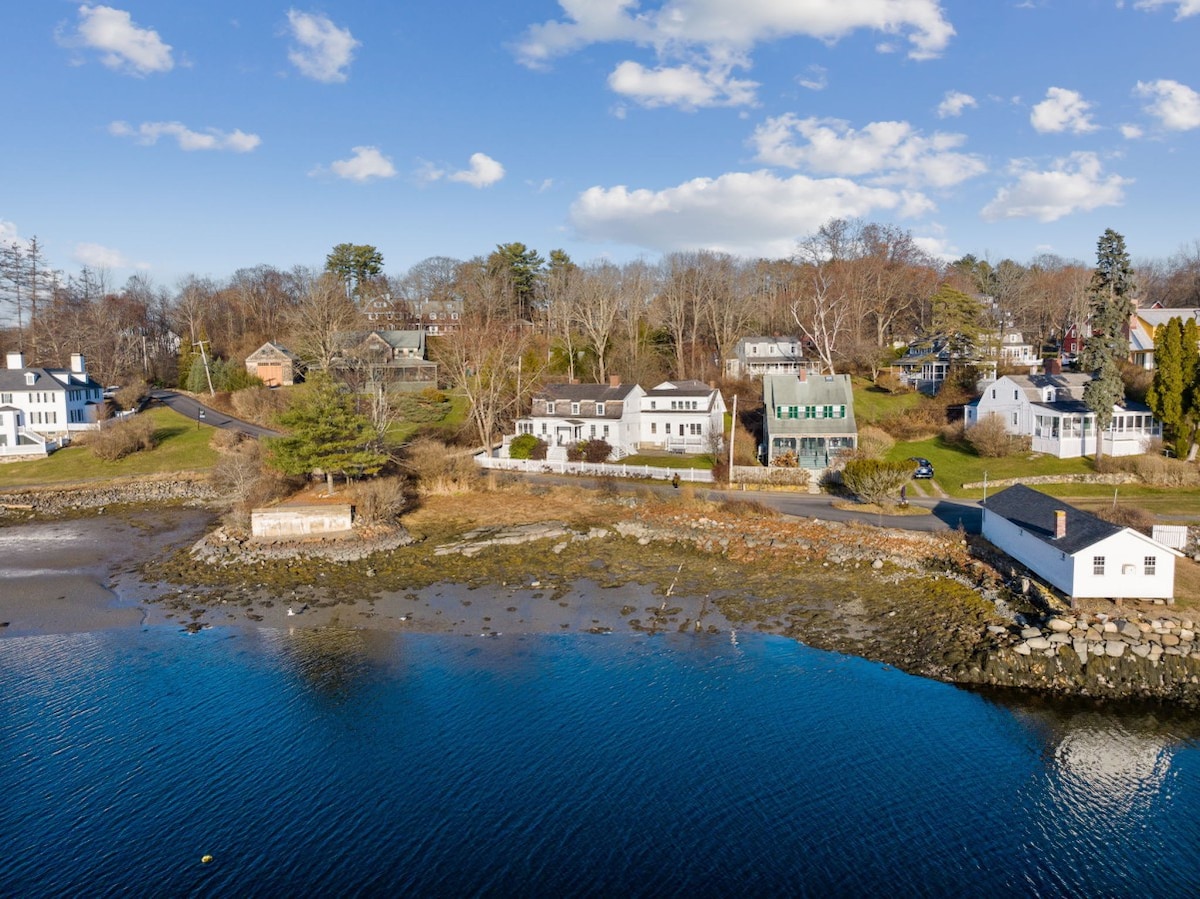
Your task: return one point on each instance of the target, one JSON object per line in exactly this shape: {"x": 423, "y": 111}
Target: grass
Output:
{"x": 954, "y": 466}
{"x": 702, "y": 461}
{"x": 872, "y": 405}
{"x": 181, "y": 447}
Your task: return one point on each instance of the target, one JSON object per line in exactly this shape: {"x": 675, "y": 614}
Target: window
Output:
{"x": 1150, "y": 565}
{"x": 1098, "y": 566}
{"x": 599, "y": 409}
{"x": 652, "y": 405}
{"x": 574, "y": 408}
{"x": 667, "y": 429}
{"x": 810, "y": 411}
{"x": 591, "y": 430}
{"x": 653, "y": 427}
{"x": 993, "y": 393}
{"x": 544, "y": 431}
{"x": 827, "y": 412}
{"x": 1016, "y": 395}
{"x": 549, "y": 407}
{"x": 793, "y": 411}
{"x": 5, "y": 398}
{"x": 1014, "y": 419}
{"x": 524, "y": 427}
{"x": 695, "y": 429}
{"x": 606, "y": 432}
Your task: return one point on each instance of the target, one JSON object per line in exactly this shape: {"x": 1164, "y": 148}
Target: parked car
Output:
{"x": 924, "y": 467}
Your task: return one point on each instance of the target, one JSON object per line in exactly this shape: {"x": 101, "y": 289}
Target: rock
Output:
{"x": 1060, "y": 626}
{"x": 1129, "y": 629}
{"x": 1022, "y": 649}
{"x": 1058, "y": 639}
{"x": 1187, "y": 635}
{"x": 1038, "y": 643}
{"x": 997, "y": 629}
{"x": 1115, "y": 648}
{"x": 877, "y": 564}
{"x": 1094, "y": 636}
{"x": 1081, "y": 650}
{"x": 1030, "y": 632}
{"x": 1142, "y": 650}
{"x": 1110, "y": 627}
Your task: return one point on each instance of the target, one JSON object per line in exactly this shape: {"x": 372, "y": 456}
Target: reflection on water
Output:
{"x": 342, "y": 761}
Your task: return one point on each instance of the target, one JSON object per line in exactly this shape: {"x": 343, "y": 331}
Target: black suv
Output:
{"x": 924, "y": 467}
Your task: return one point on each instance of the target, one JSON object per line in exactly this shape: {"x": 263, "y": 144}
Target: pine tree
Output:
{"x": 327, "y": 433}
{"x": 1111, "y": 298}
{"x": 1190, "y": 368}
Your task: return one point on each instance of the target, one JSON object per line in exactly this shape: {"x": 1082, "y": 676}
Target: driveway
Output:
{"x": 205, "y": 415}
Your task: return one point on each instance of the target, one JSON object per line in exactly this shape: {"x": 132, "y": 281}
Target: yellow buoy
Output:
{"x": 205, "y": 859}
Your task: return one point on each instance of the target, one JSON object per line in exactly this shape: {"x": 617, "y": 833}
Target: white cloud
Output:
{"x": 747, "y": 213}
{"x": 954, "y": 103}
{"x": 123, "y": 46}
{"x": 1075, "y": 184}
{"x": 365, "y": 164}
{"x": 9, "y": 234}
{"x": 1184, "y": 9}
{"x": 684, "y": 86}
{"x": 1131, "y": 132}
{"x": 1176, "y": 105}
{"x": 322, "y": 50}
{"x": 732, "y": 24}
{"x": 1062, "y": 110}
{"x": 483, "y": 172}
{"x": 891, "y": 152}
{"x": 94, "y": 255}
{"x": 209, "y": 139}
{"x": 816, "y": 80}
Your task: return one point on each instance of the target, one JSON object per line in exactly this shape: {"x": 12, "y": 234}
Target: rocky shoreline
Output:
{"x": 929, "y": 604}
{"x": 187, "y": 488}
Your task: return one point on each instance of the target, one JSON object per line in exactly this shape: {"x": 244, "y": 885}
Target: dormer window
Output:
{"x": 599, "y": 409}
{"x": 549, "y": 407}
{"x": 30, "y": 377}
{"x": 574, "y": 408}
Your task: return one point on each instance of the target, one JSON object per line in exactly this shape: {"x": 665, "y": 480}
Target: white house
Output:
{"x": 1076, "y": 552}
{"x": 1143, "y": 328}
{"x": 682, "y": 417}
{"x": 1049, "y": 409}
{"x": 810, "y": 417}
{"x": 758, "y": 356}
{"x": 1008, "y": 347}
{"x": 52, "y": 403}
{"x": 565, "y": 414}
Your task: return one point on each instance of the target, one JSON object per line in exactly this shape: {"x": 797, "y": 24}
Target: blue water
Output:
{"x": 356, "y": 763}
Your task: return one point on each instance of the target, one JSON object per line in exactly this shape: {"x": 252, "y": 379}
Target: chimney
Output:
{"x": 77, "y": 365}
{"x": 14, "y": 361}
{"x": 1053, "y": 366}
{"x": 614, "y": 380}
{"x": 1060, "y": 524}
{"x": 802, "y": 374}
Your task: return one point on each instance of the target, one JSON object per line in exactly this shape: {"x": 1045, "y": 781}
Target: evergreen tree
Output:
{"x": 327, "y": 433}
{"x": 956, "y": 315}
{"x": 1166, "y": 394}
{"x": 355, "y": 264}
{"x": 1111, "y": 299}
{"x": 519, "y": 268}
{"x": 1189, "y": 351}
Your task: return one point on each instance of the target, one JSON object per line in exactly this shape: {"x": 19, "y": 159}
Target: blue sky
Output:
{"x": 176, "y": 138}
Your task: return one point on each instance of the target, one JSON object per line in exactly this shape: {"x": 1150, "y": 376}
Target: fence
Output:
{"x": 595, "y": 469}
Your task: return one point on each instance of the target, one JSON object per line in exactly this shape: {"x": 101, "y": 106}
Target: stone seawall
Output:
{"x": 1100, "y": 656}
{"x": 192, "y": 489}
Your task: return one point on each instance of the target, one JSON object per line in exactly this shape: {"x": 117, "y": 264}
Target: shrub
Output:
{"x": 783, "y": 476}
{"x": 241, "y": 478}
{"x": 990, "y": 438}
{"x": 890, "y": 382}
{"x": 1128, "y": 517}
{"x": 524, "y": 446}
{"x": 259, "y": 404}
{"x": 122, "y": 438}
{"x": 437, "y": 468}
{"x": 953, "y": 433}
{"x": 917, "y": 423}
{"x": 594, "y": 450}
{"x": 873, "y": 443}
{"x": 381, "y": 500}
{"x": 875, "y": 481}
{"x": 785, "y": 460}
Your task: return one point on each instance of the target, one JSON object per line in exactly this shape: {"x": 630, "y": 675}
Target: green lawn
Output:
{"x": 872, "y": 405}
{"x": 669, "y": 460}
{"x": 181, "y": 447}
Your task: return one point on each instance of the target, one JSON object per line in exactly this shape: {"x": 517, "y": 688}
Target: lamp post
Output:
{"x": 199, "y": 418}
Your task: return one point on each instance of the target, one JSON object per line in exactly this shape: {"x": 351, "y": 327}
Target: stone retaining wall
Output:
{"x": 1134, "y": 657}
{"x": 1114, "y": 478}
{"x": 182, "y": 487}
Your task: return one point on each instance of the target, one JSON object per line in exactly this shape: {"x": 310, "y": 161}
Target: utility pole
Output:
{"x": 732, "y": 430}
{"x": 207, "y": 373}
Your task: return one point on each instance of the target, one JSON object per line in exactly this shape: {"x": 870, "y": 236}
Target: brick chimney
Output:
{"x": 1053, "y": 367}
{"x": 802, "y": 374}
{"x": 614, "y": 380}
{"x": 1060, "y": 524}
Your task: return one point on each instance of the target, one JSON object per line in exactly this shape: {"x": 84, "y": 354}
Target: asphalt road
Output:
{"x": 945, "y": 514}
{"x": 196, "y": 411}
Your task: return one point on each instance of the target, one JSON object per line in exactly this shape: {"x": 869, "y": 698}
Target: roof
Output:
{"x": 598, "y": 393}
{"x": 1155, "y": 317}
{"x": 271, "y": 350}
{"x": 681, "y": 388}
{"x": 1033, "y": 385}
{"x": 1033, "y": 512}
{"x": 44, "y": 379}
{"x": 412, "y": 338}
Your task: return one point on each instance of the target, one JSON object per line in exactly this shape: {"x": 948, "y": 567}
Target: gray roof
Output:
{"x": 681, "y": 388}
{"x": 598, "y": 393}
{"x": 271, "y": 350}
{"x": 1033, "y": 512}
{"x": 1033, "y": 385}
{"x": 44, "y": 379}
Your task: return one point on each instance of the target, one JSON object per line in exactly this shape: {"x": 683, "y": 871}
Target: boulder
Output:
{"x": 1115, "y": 648}
{"x": 1060, "y": 626}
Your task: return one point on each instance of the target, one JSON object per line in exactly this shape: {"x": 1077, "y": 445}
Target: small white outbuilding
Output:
{"x": 1076, "y": 552}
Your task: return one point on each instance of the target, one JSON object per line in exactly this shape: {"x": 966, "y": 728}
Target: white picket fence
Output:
{"x": 595, "y": 469}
